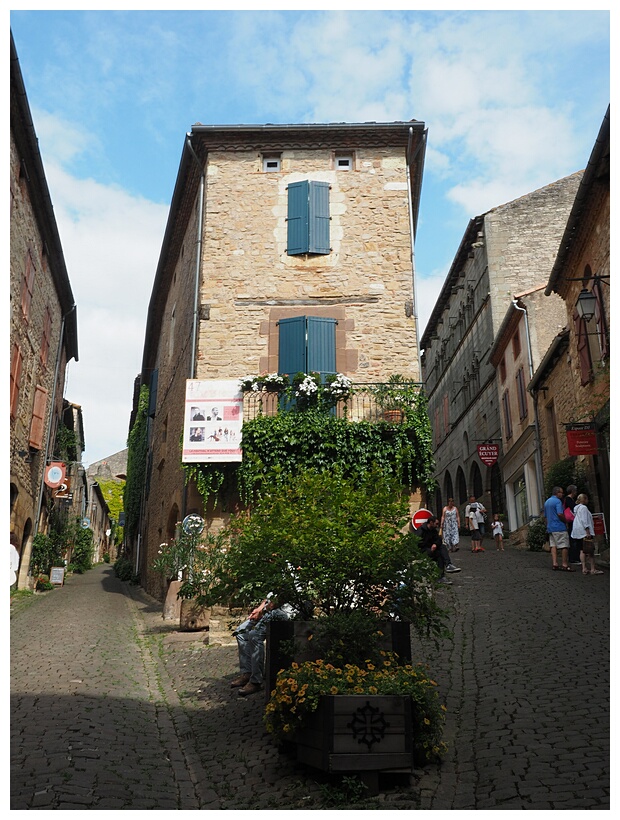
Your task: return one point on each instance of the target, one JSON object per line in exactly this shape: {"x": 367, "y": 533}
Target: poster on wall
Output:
{"x": 213, "y": 420}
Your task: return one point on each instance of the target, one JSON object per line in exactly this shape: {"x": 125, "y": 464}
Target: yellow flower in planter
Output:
{"x": 299, "y": 690}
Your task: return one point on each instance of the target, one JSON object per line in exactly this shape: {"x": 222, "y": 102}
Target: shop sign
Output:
{"x": 581, "y": 438}
{"x": 488, "y": 453}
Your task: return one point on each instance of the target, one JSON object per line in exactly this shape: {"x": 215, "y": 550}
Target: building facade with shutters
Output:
{"x": 288, "y": 248}
{"x": 43, "y": 326}
{"x": 571, "y": 386}
{"x": 529, "y": 327}
{"x": 505, "y": 251}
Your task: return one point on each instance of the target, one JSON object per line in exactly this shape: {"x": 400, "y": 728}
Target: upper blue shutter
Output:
{"x": 321, "y": 346}
{"x": 297, "y": 216}
{"x": 292, "y": 345}
{"x": 318, "y": 220}
{"x": 308, "y": 218}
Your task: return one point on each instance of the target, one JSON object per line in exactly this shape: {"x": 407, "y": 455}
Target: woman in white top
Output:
{"x": 583, "y": 534}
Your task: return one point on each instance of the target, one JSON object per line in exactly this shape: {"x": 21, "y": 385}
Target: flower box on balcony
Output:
{"x": 358, "y": 733}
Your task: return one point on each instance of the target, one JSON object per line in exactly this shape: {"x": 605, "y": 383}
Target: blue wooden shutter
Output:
{"x": 321, "y": 346}
{"x": 318, "y": 220}
{"x": 292, "y": 345}
{"x": 297, "y": 224}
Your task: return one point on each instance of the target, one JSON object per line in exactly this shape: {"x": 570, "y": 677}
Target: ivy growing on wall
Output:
{"x": 290, "y": 442}
{"x": 137, "y": 446}
{"x": 113, "y": 491}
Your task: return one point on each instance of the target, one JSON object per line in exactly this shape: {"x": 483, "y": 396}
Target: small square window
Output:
{"x": 344, "y": 162}
{"x": 271, "y": 162}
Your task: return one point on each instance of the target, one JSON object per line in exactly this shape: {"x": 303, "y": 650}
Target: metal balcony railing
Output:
{"x": 362, "y": 404}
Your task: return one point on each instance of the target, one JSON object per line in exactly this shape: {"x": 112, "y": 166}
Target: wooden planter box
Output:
{"x": 358, "y": 733}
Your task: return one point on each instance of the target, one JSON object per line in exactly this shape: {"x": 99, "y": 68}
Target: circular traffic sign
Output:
{"x": 419, "y": 517}
{"x": 193, "y": 524}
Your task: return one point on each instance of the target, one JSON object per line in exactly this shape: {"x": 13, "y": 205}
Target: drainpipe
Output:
{"x": 412, "y": 237}
{"x": 201, "y": 196}
{"x": 201, "y": 199}
{"x": 539, "y": 475}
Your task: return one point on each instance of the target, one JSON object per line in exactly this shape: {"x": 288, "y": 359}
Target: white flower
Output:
{"x": 307, "y": 388}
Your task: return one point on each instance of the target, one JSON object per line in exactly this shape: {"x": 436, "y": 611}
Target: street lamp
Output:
{"x": 586, "y": 304}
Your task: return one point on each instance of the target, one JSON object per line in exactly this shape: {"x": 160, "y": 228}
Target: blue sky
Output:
{"x": 513, "y": 100}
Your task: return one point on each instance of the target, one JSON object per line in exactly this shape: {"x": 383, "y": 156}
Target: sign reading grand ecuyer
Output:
{"x": 213, "y": 420}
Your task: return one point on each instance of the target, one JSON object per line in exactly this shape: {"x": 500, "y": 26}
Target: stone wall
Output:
{"x": 248, "y": 282}
{"x": 27, "y": 469}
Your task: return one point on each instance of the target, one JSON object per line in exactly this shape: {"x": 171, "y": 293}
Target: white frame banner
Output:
{"x": 213, "y": 421}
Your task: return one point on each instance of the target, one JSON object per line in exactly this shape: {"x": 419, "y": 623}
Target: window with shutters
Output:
{"x": 27, "y": 285}
{"x": 307, "y": 344}
{"x": 16, "y": 377}
{"x": 38, "y": 418}
{"x": 507, "y": 416}
{"x": 308, "y": 218}
{"x": 521, "y": 394}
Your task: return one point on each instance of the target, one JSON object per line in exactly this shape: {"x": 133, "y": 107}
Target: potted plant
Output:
{"x": 396, "y": 397}
{"x": 338, "y": 549}
{"x": 337, "y": 387}
{"x": 274, "y": 382}
{"x": 305, "y": 390}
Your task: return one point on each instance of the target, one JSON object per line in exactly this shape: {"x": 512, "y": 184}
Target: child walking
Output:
{"x": 498, "y": 532}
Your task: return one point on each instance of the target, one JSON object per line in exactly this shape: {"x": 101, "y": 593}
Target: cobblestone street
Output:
{"x": 113, "y": 709}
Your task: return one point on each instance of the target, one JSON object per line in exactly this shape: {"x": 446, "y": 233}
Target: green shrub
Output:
{"x": 330, "y": 543}
{"x": 123, "y": 569}
{"x": 565, "y": 472}
{"x": 536, "y": 535}
{"x": 46, "y": 553}
{"x": 83, "y": 551}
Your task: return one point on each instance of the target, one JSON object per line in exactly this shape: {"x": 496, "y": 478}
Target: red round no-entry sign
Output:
{"x": 420, "y": 517}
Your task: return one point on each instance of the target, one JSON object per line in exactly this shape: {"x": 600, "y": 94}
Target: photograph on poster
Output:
{"x": 219, "y": 404}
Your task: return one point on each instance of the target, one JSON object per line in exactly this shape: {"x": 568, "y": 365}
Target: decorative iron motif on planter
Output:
{"x": 368, "y": 724}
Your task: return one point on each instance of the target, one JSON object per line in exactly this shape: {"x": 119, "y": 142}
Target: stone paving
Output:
{"x": 111, "y": 708}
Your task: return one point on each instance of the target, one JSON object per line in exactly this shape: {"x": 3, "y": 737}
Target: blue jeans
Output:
{"x": 251, "y": 644}
{"x": 250, "y": 637}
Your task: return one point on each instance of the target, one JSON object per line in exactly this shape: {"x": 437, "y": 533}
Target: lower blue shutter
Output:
{"x": 292, "y": 345}
{"x": 321, "y": 346}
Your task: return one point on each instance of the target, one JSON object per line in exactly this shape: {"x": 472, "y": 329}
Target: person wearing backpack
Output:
{"x": 569, "y": 515}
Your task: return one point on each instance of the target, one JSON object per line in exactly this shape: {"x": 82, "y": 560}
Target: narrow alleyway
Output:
{"x": 113, "y": 709}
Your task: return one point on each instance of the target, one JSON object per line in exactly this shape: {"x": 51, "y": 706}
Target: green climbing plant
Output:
{"x": 276, "y": 448}
{"x": 136, "y": 465}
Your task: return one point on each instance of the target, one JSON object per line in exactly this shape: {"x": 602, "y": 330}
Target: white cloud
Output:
{"x": 111, "y": 243}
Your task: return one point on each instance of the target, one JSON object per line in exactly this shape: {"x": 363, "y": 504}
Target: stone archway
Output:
{"x": 447, "y": 486}
{"x": 461, "y": 487}
{"x": 173, "y": 520}
{"x": 475, "y": 480}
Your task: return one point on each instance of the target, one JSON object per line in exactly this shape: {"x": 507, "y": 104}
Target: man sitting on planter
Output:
{"x": 432, "y": 544}
{"x": 250, "y": 637}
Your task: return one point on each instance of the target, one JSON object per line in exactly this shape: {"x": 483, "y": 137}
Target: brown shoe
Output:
{"x": 240, "y": 681}
{"x": 249, "y": 689}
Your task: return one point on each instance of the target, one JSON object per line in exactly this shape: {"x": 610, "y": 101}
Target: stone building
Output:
{"x": 271, "y": 223}
{"x": 505, "y": 251}
{"x": 43, "y": 326}
{"x": 571, "y": 386}
{"x": 529, "y": 327}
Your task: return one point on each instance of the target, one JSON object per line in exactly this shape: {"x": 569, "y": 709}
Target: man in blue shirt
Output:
{"x": 556, "y": 527}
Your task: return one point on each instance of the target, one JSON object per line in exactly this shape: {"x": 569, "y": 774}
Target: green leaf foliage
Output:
{"x": 137, "y": 445}
{"x": 330, "y": 543}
